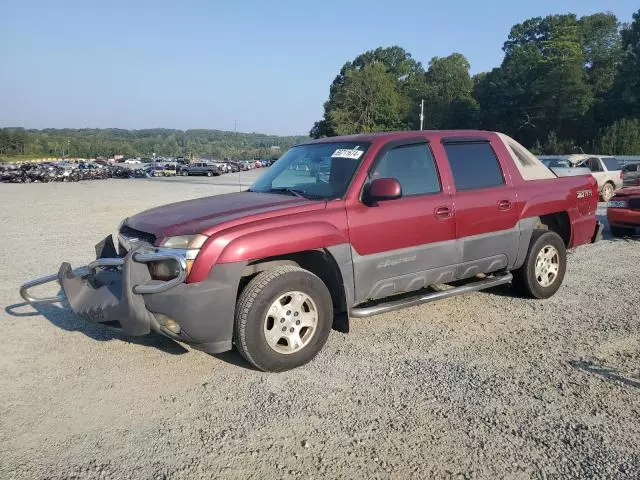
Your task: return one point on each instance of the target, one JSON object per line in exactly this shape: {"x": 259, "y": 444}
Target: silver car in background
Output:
{"x": 631, "y": 175}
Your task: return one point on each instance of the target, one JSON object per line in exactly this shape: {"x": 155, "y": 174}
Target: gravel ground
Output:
{"x": 480, "y": 386}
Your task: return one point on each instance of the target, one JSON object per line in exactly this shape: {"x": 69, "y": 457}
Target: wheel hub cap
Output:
{"x": 547, "y": 265}
{"x": 290, "y": 322}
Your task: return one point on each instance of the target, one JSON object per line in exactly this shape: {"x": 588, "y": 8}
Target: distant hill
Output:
{"x": 90, "y": 142}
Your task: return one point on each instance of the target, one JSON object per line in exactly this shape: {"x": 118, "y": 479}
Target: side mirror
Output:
{"x": 384, "y": 189}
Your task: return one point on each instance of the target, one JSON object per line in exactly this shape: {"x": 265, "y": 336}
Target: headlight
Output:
{"x": 164, "y": 269}
{"x": 184, "y": 241}
{"x": 185, "y": 246}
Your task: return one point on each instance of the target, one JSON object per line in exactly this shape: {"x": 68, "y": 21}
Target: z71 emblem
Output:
{"x": 585, "y": 193}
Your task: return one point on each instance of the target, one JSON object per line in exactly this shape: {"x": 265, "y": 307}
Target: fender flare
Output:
{"x": 238, "y": 245}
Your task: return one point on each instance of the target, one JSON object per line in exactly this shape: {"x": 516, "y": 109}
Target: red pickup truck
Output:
{"x": 359, "y": 224}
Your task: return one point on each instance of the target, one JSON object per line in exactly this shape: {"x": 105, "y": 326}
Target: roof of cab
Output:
{"x": 370, "y": 137}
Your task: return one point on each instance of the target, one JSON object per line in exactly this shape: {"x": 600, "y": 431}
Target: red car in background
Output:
{"x": 623, "y": 212}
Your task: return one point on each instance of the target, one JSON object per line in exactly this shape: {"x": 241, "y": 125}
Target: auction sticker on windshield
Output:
{"x": 347, "y": 153}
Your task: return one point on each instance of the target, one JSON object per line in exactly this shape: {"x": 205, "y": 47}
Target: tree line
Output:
{"x": 565, "y": 84}
{"x": 90, "y": 143}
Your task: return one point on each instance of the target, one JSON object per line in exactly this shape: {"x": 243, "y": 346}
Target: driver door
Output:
{"x": 409, "y": 243}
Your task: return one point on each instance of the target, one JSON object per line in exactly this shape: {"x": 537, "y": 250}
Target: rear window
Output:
{"x": 474, "y": 165}
{"x": 611, "y": 163}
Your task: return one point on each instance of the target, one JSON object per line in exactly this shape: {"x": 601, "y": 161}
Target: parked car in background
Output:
{"x": 623, "y": 212}
{"x": 631, "y": 175}
{"x": 604, "y": 169}
{"x": 155, "y": 170}
{"x": 170, "y": 169}
{"x": 132, "y": 160}
{"x": 202, "y": 168}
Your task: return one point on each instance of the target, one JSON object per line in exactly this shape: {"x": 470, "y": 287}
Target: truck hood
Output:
{"x": 201, "y": 214}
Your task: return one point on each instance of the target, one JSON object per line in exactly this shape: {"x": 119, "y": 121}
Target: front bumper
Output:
{"x": 119, "y": 292}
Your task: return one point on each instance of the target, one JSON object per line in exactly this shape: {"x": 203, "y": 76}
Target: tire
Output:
{"x": 265, "y": 298}
{"x": 185, "y": 174}
{"x": 620, "y": 232}
{"x": 607, "y": 191}
{"x": 542, "y": 283}
{"x": 209, "y": 173}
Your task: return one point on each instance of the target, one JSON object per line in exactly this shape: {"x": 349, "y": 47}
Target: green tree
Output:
{"x": 367, "y": 101}
{"x": 405, "y": 73}
{"x": 546, "y": 81}
{"x": 602, "y": 44}
{"x": 621, "y": 138}
{"x": 447, "y": 92}
{"x": 625, "y": 95}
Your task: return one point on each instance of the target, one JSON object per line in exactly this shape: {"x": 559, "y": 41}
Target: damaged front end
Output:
{"x": 111, "y": 289}
{"x": 141, "y": 288}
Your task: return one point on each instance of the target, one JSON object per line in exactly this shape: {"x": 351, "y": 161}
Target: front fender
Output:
{"x": 237, "y": 245}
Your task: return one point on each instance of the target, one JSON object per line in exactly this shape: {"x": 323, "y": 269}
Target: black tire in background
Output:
{"x": 525, "y": 279}
{"x": 620, "y": 232}
{"x": 251, "y": 313}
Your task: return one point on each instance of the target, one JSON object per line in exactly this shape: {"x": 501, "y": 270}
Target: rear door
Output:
{"x": 408, "y": 243}
{"x": 485, "y": 203}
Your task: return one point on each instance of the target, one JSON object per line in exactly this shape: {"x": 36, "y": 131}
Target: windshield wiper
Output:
{"x": 292, "y": 191}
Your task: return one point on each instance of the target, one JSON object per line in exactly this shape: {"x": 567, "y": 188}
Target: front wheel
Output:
{"x": 283, "y": 318}
{"x": 607, "y": 192}
{"x": 544, "y": 267}
{"x": 209, "y": 174}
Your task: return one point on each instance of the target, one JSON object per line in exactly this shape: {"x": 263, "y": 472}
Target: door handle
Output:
{"x": 443, "y": 212}
{"x": 504, "y": 205}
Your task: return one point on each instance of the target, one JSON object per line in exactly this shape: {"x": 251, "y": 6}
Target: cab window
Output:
{"x": 413, "y": 166}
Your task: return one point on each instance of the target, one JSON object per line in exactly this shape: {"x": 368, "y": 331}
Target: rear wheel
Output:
{"x": 209, "y": 173}
{"x": 283, "y": 318}
{"x": 620, "y": 232}
{"x": 544, "y": 267}
{"x": 607, "y": 191}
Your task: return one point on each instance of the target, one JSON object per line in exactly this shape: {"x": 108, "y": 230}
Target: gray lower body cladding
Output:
{"x": 204, "y": 310}
{"x": 389, "y": 273}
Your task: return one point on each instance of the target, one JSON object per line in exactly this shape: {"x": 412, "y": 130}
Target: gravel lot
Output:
{"x": 481, "y": 386}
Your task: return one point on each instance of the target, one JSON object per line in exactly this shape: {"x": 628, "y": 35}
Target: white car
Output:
{"x": 604, "y": 169}
{"x": 132, "y": 160}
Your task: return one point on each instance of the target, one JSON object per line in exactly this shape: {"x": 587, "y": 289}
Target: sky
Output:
{"x": 258, "y": 66}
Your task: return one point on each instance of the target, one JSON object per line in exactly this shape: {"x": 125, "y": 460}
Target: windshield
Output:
{"x": 611, "y": 163}
{"x": 318, "y": 170}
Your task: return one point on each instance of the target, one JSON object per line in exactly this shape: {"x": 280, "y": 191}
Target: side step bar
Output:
{"x": 493, "y": 281}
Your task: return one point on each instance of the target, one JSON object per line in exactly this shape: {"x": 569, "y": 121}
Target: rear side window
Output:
{"x": 413, "y": 166}
{"x": 611, "y": 163}
{"x": 474, "y": 165}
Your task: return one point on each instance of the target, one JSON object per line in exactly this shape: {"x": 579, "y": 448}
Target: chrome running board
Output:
{"x": 389, "y": 306}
